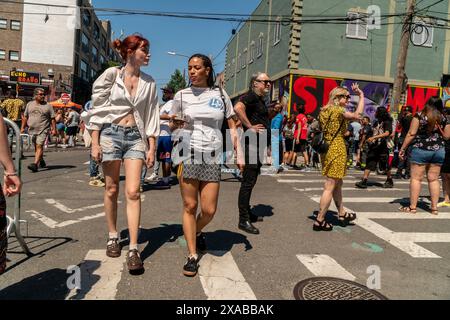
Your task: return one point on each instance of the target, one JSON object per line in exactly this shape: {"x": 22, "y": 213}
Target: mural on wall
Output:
{"x": 314, "y": 92}
{"x": 417, "y": 96}
{"x": 446, "y": 96}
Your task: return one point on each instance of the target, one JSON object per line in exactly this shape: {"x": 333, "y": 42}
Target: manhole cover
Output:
{"x": 327, "y": 288}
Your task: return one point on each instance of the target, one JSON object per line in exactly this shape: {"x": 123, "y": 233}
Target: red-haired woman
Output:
{"x": 124, "y": 121}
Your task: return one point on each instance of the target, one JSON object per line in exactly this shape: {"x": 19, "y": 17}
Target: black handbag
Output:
{"x": 318, "y": 143}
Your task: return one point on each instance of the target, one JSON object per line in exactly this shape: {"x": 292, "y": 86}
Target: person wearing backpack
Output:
{"x": 333, "y": 119}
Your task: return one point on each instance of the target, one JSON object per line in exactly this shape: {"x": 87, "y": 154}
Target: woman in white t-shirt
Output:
{"x": 204, "y": 108}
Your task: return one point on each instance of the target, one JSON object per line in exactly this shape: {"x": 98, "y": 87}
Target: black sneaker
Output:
{"x": 190, "y": 268}
{"x": 42, "y": 163}
{"x": 362, "y": 184}
{"x": 388, "y": 184}
{"x": 33, "y": 167}
{"x": 201, "y": 242}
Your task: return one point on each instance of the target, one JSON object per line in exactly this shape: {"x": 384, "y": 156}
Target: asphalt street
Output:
{"x": 65, "y": 226}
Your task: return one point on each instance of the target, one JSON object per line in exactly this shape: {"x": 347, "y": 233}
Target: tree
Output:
{"x": 105, "y": 66}
{"x": 177, "y": 81}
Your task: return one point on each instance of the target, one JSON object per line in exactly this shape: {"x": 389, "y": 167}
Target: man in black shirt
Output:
{"x": 378, "y": 148}
{"x": 253, "y": 113}
{"x": 405, "y": 118}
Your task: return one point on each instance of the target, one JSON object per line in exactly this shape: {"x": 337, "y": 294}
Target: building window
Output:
{"x": 3, "y": 23}
{"x": 244, "y": 58}
{"x": 96, "y": 32}
{"x": 422, "y": 34}
{"x": 356, "y": 26}
{"x": 259, "y": 48}
{"x": 94, "y": 55}
{"x": 84, "y": 70}
{"x": 93, "y": 74}
{"x": 277, "y": 32}
{"x": 84, "y": 43}
{"x": 104, "y": 45}
{"x": 87, "y": 18}
{"x": 102, "y": 60}
{"x": 2, "y": 54}
{"x": 252, "y": 52}
{"x": 15, "y": 25}
{"x": 14, "y": 55}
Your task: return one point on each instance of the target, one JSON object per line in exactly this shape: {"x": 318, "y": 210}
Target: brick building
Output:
{"x": 60, "y": 46}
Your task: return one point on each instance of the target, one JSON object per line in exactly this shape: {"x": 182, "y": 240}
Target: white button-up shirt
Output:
{"x": 111, "y": 101}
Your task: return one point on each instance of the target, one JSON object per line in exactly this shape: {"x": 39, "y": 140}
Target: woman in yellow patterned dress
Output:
{"x": 334, "y": 122}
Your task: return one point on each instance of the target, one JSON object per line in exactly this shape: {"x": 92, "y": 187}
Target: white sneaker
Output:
{"x": 153, "y": 177}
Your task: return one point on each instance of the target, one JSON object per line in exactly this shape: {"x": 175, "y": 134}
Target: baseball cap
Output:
{"x": 168, "y": 89}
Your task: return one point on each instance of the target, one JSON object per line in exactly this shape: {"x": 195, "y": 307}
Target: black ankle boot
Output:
{"x": 247, "y": 226}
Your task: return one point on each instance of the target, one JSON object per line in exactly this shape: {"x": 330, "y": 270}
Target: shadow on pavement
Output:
{"x": 34, "y": 244}
{"x": 57, "y": 167}
{"x": 154, "y": 238}
{"x": 50, "y": 284}
{"x": 262, "y": 210}
{"x": 224, "y": 240}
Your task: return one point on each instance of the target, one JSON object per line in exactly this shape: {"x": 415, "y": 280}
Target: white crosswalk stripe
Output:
{"x": 100, "y": 276}
{"x": 322, "y": 265}
{"x": 221, "y": 278}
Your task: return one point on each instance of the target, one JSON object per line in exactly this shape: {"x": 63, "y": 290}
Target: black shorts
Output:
{"x": 72, "y": 131}
{"x": 289, "y": 144}
{"x": 377, "y": 155}
{"x": 301, "y": 146}
{"x": 446, "y": 166}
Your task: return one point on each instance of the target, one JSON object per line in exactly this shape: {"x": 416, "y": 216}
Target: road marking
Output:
{"x": 100, "y": 276}
{"x": 322, "y": 265}
{"x": 221, "y": 278}
{"x": 352, "y": 189}
{"x": 87, "y": 162}
{"x": 323, "y": 180}
{"x": 420, "y": 215}
{"x": 404, "y": 241}
{"x": 373, "y": 199}
{"x": 54, "y": 224}
{"x": 58, "y": 205}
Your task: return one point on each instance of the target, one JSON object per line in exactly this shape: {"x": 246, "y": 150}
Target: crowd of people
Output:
{"x": 125, "y": 125}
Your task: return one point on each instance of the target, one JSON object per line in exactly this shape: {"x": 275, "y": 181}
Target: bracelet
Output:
{"x": 11, "y": 174}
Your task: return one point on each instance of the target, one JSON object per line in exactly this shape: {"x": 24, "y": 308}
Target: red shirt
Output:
{"x": 301, "y": 121}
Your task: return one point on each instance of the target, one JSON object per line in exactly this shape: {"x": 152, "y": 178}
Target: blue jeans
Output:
{"x": 93, "y": 167}
{"x": 119, "y": 142}
{"x": 277, "y": 150}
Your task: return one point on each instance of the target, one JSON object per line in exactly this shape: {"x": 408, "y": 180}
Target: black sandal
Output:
{"x": 323, "y": 226}
{"x": 348, "y": 216}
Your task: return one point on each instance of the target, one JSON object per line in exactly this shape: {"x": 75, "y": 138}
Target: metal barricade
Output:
{"x": 14, "y": 223}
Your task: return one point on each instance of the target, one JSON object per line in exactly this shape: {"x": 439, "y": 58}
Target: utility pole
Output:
{"x": 399, "y": 82}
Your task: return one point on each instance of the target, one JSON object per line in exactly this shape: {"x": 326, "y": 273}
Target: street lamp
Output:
{"x": 172, "y": 53}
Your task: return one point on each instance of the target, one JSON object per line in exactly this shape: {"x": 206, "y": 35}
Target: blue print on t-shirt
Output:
{"x": 216, "y": 103}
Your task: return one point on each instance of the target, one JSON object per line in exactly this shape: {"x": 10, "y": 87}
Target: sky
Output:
{"x": 183, "y": 36}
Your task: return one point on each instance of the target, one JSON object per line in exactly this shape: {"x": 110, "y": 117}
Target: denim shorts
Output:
{"x": 421, "y": 156}
{"x": 118, "y": 143}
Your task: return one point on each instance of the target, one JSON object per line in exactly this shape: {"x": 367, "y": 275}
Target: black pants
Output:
{"x": 249, "y": 178}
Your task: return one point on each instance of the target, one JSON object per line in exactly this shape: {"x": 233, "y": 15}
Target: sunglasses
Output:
{"x": 266, "y": 82}
{"x": 345, "y": 96}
